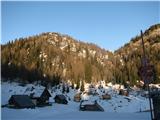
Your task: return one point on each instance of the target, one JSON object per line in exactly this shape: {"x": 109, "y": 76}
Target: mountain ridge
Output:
{"x": 49, "y": 56}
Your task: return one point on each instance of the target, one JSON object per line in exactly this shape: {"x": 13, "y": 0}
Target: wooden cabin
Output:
{"x": 40, "y": 97}
{"x": 91, "y": 107}
{"x": 77, "y": 97}
{"x": 20, "y": 101}
{"x": 61, "y": 99}
{"x": 106, "y": 97}
{"x": 123, "y": 92}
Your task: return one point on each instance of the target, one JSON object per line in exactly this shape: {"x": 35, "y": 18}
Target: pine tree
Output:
{"x": 72, "y": 86}
{"x": 88, "y": 72}
{"x": 67, "y": 89}
{"x": 82, "y": 86}
{"x": 77, "y": 85}
{"x": 63, "y": 89}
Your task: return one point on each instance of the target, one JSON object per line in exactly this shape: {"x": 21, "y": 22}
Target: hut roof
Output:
{"x": 38, "y": 92}
{"x": 46, "y": 92}
{"x": 22, "y": 101}
{"x": 91, "y": 107}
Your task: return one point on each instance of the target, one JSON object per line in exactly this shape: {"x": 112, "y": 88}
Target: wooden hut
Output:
{"x": 77, "y": 97}
{"x": 123, "y": 92}
{"x": 106, "y": 97}
{"x": 61, "y": 99}
{"x": 20, "y": 101}
{"x": 91, "y": 107}
{"x": 40, "y": 97}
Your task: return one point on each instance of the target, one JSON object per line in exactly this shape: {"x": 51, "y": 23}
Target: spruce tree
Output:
{"x": 72, "y": 86}
{"x": 67, "y": 89}
{"x": 63, "y": 89}
{"x": 88, "y": 72}
{"x": 82, "y": 86}
{"x": 77, "y": 85}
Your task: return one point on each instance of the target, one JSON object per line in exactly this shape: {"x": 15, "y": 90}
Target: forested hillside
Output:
{"x": 130, "y": 54}
{"x": 53, "y": 57}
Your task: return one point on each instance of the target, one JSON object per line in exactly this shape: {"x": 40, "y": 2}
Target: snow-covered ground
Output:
{"x": 59, "y": 112}
{"x": 118, "y": 108}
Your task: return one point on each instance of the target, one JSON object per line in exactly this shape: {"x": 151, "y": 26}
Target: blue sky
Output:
{"x": 107, "y": 24}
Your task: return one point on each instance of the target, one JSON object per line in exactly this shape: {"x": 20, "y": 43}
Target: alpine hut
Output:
{"x": 90, "y": 107}
{"x": 61, "y": 99}
{"x": 40, "y": 97}
{"x": 20, "y": 101}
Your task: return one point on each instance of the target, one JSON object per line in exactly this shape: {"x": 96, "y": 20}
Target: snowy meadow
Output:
{"x": 119, "y": 107}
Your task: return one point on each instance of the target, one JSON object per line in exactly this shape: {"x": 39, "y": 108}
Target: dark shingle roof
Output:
{"x": 91, "y": 107}
{"x": 22, "y": 101}
{"x": 46, "y": 93}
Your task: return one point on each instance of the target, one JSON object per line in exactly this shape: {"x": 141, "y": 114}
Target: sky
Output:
{"x": 108, "y": 24}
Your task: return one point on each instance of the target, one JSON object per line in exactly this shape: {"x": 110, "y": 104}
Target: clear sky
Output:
{"x": 107, "y": 24}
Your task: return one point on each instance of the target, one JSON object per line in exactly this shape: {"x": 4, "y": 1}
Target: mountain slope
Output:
{"x": 52, "y": 57}
{"x": 131, "y": 53}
